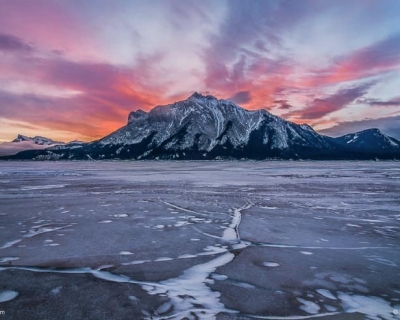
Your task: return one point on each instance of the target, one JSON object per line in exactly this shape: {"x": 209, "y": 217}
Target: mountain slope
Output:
{"x": 203, "y": 127}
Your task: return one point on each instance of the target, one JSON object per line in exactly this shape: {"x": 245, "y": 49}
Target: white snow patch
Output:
{"x": 232, "y": 233}
{"x": 271, "y": 264}
{"x": 8, "y": 295}
{"x": 327, "y": 294}
{"x": 132, "y": 298}
{"x": 6, "y": 259}
{"x": 308, "y": 306}
{"x": 165, "y": 307}
{"x": 219, "y": 277}
{"x": 181, "y": 223}
{"x": 109, "y": 276}
{"x": 56, "y": 290}
{"x": 135, "y": 262}
{"x": 374, "y": 307}
{"x": 45, "y": 187}
{"x": 189, "y": 291}
{"x": 10, "y": 244}
{"x": 120, "y": 215}
{"x": 163, "y": 259}
{"x": 125, "y": 253}
{"x": 330, "y": 308}
{"x": 187, "y": 256}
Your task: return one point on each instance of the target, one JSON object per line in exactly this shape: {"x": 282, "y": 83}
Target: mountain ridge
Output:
{"x": 206, "y": 128}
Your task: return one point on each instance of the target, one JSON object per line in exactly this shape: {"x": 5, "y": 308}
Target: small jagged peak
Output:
{"x": 306, "y": 126}
{"x": 196, "y": 95}
{"x": 136, "y": 115}
{"x": 199, "y": 96}
{"x": 375, "y": 130}
{"x": 21, "y": 137}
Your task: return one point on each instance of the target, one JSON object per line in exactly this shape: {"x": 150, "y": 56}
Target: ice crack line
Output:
{"x": 232, "y": 232}
{"x": 98, "y": 273}
{"x": 293, "y": 246}
{"x": 182, "y": 209}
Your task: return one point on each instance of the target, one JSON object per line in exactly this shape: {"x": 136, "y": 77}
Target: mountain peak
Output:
{"x": 372, "y": 130}
{"x": 199, "y": 96}
{"x": 37, "y": 140}
{"x": 21, "y": 137}
{"x": 136, "y": 115}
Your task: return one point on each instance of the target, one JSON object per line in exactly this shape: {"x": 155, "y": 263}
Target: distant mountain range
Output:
{"x": 26, "y": 143}
{"x": 205, "y": 128}
{"x": 37, "y": 140}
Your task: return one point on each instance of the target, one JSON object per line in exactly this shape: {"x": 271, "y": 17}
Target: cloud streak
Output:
{"x": 376, "y": 59}
{"x": 10, "y": 43}
{"x": 321, "y": 107}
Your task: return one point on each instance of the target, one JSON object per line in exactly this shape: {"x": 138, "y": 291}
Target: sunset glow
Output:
{"x": 74, "y": 70}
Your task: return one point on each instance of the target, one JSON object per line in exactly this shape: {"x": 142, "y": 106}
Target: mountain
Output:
{"x": 370, "y": 140}
{"x": 204, "y": 128}
{"x": 37, "y": 140}
{"x": 22, "y": 143}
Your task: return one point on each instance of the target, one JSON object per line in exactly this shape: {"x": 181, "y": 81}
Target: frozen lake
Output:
{"x": 200, "y": 240}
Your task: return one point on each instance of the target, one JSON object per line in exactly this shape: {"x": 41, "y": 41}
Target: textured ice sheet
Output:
{"x": 166, "y": 220}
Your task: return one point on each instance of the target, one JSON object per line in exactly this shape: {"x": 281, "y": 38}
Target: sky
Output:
{"x": 75, "y": 69}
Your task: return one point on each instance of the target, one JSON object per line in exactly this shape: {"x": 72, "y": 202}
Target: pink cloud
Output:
{"x": 372, "y": 60}
{"x": 321, "y": 107}
{"x": 48, "y": 25}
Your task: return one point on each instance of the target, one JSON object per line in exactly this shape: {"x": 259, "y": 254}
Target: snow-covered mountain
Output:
{"x": 37, "y": 140}
{"x": 203, "y": 127}
{"x": 370, "y": 140}
{"x": 22, "y": 143}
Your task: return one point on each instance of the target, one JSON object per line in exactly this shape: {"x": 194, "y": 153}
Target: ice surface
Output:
{"x": 212, "y": 236}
